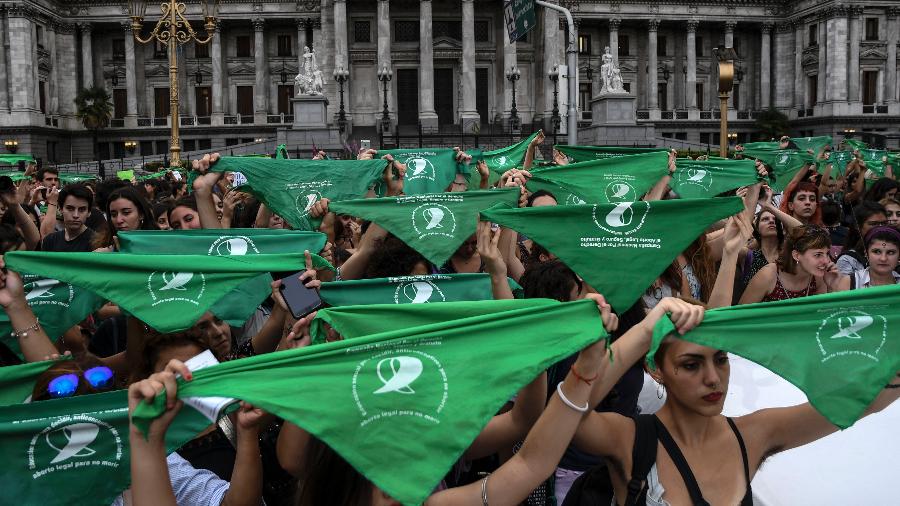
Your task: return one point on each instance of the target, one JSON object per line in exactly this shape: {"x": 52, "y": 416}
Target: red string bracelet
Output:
{"x": 587, "y": 381}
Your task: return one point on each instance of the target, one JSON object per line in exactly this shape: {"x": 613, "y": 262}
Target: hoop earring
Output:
{"x": 660, "y": 391}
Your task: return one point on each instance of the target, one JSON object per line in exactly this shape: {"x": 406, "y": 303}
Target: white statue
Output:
{"x": 310, "y": 80}
{"x": 610, "y": 75}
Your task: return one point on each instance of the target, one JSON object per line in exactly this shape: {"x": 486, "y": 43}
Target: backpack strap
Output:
{"x": 643, "y": 455}
{"x": 681, "y": 464}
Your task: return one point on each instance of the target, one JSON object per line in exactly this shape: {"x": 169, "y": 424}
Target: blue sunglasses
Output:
{"x": 66, "y": 385}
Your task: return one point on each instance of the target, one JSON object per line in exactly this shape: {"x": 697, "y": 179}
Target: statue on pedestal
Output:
{"x": 610, "y": 76}
{"x": 310, "y": 80}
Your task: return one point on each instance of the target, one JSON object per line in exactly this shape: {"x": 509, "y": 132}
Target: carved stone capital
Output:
{"x": 784, "y": 27}
{"x": 766, "y": 28}
{"x": 85, "y": 28}
{"x": 65, "y": 28}
{"x": 892, "y": 12}
{"x": 614, "y": 23}
{"x": 730, "y": 26}
{"x": 258, "y": 24}
{"x": 692, "y": 25}
{"x": 653, "y": 25}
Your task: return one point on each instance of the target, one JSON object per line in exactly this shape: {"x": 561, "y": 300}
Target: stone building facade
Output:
{"x": 830, "y": 65}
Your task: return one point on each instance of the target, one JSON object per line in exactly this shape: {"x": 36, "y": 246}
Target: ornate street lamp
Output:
{"x": 11, "y": 145}
{"x": 726, "y": 57}
{"x": 340, "y": 76}
{"x": 385, "y": 75}
{"x": 513, "y": 75}
{"x": 172, "y": 29}
{"x": 130, "y": 146}
{"x": 555, "y": 120}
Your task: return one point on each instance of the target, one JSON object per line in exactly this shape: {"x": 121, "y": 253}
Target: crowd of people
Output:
{"x": 574, "y": 431}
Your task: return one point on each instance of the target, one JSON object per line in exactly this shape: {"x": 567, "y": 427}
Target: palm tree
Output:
{"x": 772, "y": 123}
{"x": 94, "y": 108}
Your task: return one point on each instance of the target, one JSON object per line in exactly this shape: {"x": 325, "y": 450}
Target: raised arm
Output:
{"x": 203, "y": 188}
{"x": 529, "y": 152}
{"x": 33, "y": 340}
{"x": 489, "y": 252}
{"x": 737, "y": 231}
{"x": 662, "y": 186}
{"x": 48, "y": 221}
{"x": 355, "y": 266}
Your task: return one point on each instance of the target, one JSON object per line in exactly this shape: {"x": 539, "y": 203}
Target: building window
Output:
{"x": 408, "y": 31}
{"x": 190, "y": 145}
{"x": 203, "y": 99}
{"x": 362, "y": 32}
{"x": 242, "y": 46}
{"x": 118, "y": 49}
{"x": 736, "y": 97}
{"x": 204, "y": 144}
{"x": 449, "y": 29}
{"x": 120, "y": 103}
{"x": 871, "y": 28}
{"x": 232, "y": 142}
{"x": 160, "y": 50}
{"x": 584, "y": 44}
{"x": 201, "y": 50}
{"x": 661, "y": 46}
{"x": 624, "y": 46}
{"x": 39, "y": 36}
{"x": 662, "y": 96}
{"x": 870, "y": 87}
{"x": 813, "y": 34}
{"x": 42, "y": 94}
{"x": 285, "y": 93}
{"x": 584, "y": 96}
{"x": 698, "y": 45}
{"x": 699, "y": 96}
{"x": 482, "y": 31}
{"x": 245, "y": 100}
{"x": 626, "y": 87}
{"x": 146, "y": 148}
{"x": 813, "y": 90}
{"x": 162, "y": 147}
{"x": 284, "y": 45}
{"x": 161, "y": 102}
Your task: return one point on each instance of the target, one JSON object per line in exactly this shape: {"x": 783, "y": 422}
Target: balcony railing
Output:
{"x": 681, "y": 115}
{"x": 875, "y": 109}
{"x": 643, "y": 114}
{"x": 705, "y": 114}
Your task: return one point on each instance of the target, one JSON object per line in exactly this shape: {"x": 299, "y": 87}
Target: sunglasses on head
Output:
{"x": 66, "y": 385}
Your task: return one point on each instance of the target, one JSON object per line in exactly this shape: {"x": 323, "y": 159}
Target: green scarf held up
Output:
{"x": 874, "y": 160}
{"x": 428, "y": 170}
{"x": 587, "y": 153}
{"x": 708, "y": 178}
{"x": 762, "y": 145}
{"x": 241, "y": 303}
{"x": 57, "y": 304}
{"x": 510, "y": 157}
{"x": 621, "y": 179}
{"x": 411, "y": 289}
{"x": 838, "y": 160}
{"x": 435, "y": 225}
{"x": 290, "y": 187}
{"x": 411, "y": 397}
{"x": 840, "y": 348}
{"x": 619, "y": 249}
{"x": 785, "y": 163}
{"x": 17, "y": 381}
{"x": 167, "y": 292}
{"x": 816, "y": 144}
{"x": 855, "y": 144}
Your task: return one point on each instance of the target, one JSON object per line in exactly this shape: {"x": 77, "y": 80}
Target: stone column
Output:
{"x": 691, "y": 80}
{"x": 551, "y": 58}
{"x": 823, "y": 60}
{"x": 765, "y": 66}
{"x": 384, "y": 50}
{"x": 317, "y": 36}
{"x": 853, "y": 64}
{"x": 260, "y": 88}
{"x": 53, "y": 77}
{"x": 130, "y": 78}
{"x": 729, "y": 33}
{"x": 427, "y": 115}
{"x": 614, "y": 24}
{"x": 301, "y": 41}
{"x": 890, "y": 78}
{"x": 468, "y": 113}
{"x": 21, "y": 61}
{"x": 836, "y": 87}
{"x": 341, "y": 56}
{"x": 4, "y": 68}
{"x": 652, "y": 27}
{"x": 87, "y": 56}
{"x": 67, "y": 73}
{"x": 783, "y": 75}
{"x": 217, "y": 91}
{"x": 799, "y": 74}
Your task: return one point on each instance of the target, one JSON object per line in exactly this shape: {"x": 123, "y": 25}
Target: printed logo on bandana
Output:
{"x": 625, "y": 218}
{"x": 238, "y": 179}
{"x": 306, "y": 200}
{"x": 433, "y": 219}
{"x": 851, "y": 332}
{"x": 574, "y": 200}
{"x": 620, "y": 191}
{"x": 783, "y": 159}
{"x": 74, "y": 442}
{"x": 419, "y": 168}
{"x": 176, "y": 287}
{"x": 500, "y": 160}
{"x": 42, "y": 291}
{"x": 400, "y": 382}
{"x": 236, "y": 245}
{"x": 418, "y": 292}
{"x": 696, "y": 176}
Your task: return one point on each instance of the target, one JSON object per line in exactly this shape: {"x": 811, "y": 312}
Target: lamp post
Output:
{"x": 172, "y": 29}
{"x": 513, "y": 74}
{"x": 385, "y": 75}
{"x": 340, "y": 76}
{"x": 732, "y": 138}
{"x": 555, "y": 120}
{"x": 726, "y": 57}
{"x": 130, "y": 146}
{"x": 11, "y": 145}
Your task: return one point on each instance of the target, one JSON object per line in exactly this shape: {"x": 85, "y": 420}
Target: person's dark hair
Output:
{"x": 186, "y": 201}
{"x": 160, "y": 209}
{"x": 538, "y": 194}
{"x": 393, "y": 257}
{"x": 804, "y": 186}
{"x": 105, "y": 188}
{"x": 549, "y": 280}
{"x": 154, "y": 343}
{"x": 10, "y": 238}
{"x": 77, "y": 190}
{"x": 664, "y": 345}
{"x": 39, "y": 175}
{"x": 77, "y": 365}
{"x": 329, "y": 479}
{"x": 861, "y": 213}
{"x": 801, "y": 239}
{"x": 779, "y": 229}
{"x": 880, "y": 188}
{"x": 886, "y": 233}
{"x": 699, "y": 257}
{"x": 534, "y": 256}
{"x": 147, "y": 222}
{"x": 832, "y": 212}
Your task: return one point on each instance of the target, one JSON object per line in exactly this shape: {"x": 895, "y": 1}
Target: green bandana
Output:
{"x": 167, "y": 292}
{"x": 56, "y": 304}
{"x": 700, "y": 179}
{"x": 428, "y": 170}
{"x": 622, "y": 179}
{"x": 410, "y": 397}
{"x": 764, "y": 145}
{"x": 17, "y": 381}
{"x": 587, "y": 153}
{"x": 241, "y": 303}
{"x": 814, "y": 143}
{"x": 15, "y": 175}
{"x": 71, "y": 177}
{"x": 410, "y": 289}
{"x": 839, "y": 348}
{"x": 510, "y": 157}
{"x": 281, "y": 152}
{"x": 873, "y": 159}
{"x": 75, "y": 450}
{"x": 838, "y": 160}
{"x": 434, "y": 225}
{"x": 784, "y": 162}
{"x": 290, "y": 187}
{"x": 619, "y": 249}
{"x": 855, "y": 144}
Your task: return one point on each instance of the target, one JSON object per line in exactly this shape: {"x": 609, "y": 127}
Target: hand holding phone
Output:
{"x": 300, "y": 300}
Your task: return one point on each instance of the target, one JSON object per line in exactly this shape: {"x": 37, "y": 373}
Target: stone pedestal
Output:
{"x": 613, "y": 109}
{"x": 309, "y": 111}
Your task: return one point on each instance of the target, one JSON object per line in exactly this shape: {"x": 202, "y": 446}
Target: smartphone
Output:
{"x": 300, "y": 300}
{"x": 365, "y": 144}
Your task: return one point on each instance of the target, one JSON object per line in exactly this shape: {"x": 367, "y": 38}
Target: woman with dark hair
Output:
{"x": 126, "y": 210}
{"x": 161, "y": 215}
{"x": 82, "y": 375}
{"x": 866, "y": 216}
{"x": 803, "y": 268}
{"x": 768, "y": 235}
{"x": 802, "y": 202}
{"x": 881, "y": 189}
{"x": 183, "y": 214}
{"x": 883, "y": 256}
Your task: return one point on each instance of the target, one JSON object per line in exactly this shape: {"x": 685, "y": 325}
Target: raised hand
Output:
{"x": 738, "y": 231}
{"x": 610, "y": 320}
{"x": 320, "y": 208}
{"x": 486, "y": 244}
{"x": 147, "y": 390}
{"x": 12, "y": 290}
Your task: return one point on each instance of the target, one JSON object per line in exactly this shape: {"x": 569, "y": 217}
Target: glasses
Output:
{"x": 66, "y": 385}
